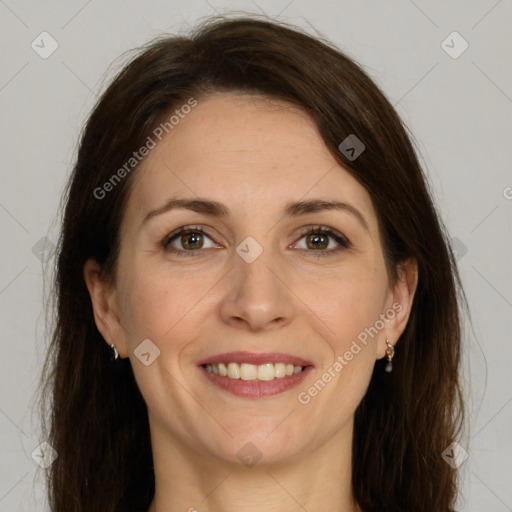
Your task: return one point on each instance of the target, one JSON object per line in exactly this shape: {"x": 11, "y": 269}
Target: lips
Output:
{"x": 254, "y": 388}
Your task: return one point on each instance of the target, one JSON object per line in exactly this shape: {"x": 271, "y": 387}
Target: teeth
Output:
{"x": 223, "y": 371}
{"x": 246, "y": 371}
{"x": 280, "y": 370}
{"x": 267, "y": 372}
{"x": 233, "y": 371}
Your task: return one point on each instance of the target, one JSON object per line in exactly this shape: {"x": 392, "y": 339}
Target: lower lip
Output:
{"x": 257, "y": 388}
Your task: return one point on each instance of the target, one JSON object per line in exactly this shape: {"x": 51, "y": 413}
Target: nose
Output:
{"x": 257, "y": 298}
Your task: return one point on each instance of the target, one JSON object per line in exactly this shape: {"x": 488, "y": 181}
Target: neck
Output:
{"x": 186, "y": 480}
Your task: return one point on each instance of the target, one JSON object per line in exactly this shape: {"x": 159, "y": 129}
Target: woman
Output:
{"x": 257, "y": 303}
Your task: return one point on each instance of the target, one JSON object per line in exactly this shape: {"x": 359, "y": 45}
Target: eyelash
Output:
{"x": 340, "y": 239}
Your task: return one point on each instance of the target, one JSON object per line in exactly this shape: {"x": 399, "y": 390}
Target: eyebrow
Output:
{"x": 291, "y": 209}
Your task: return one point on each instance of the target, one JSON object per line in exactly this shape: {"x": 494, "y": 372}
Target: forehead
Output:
{"x": 250, "y": 152}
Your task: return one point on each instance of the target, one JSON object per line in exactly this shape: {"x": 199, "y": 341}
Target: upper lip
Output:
{"x": 255, "y": 358}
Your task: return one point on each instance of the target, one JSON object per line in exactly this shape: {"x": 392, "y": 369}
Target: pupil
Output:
{"x": 317, "y": 239}
{"x": 190, "y": 239}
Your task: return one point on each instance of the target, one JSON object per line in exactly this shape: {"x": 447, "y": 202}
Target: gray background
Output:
{"x": 459, "y": 110}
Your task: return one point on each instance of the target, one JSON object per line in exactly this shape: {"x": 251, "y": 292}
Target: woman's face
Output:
{"x": 249, "y": 285}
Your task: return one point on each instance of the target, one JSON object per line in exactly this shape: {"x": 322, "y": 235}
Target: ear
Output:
{"x": 105, "y": 307}
{"x": 399, "y": 304}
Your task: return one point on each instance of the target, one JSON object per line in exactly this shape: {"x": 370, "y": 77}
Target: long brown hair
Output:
{"x": 97, "y": 417}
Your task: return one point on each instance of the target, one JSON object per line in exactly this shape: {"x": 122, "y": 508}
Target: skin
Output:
{"x": 254, "y": 156}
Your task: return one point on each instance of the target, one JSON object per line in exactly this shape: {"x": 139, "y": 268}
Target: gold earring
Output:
{"x": 390, "y": 352}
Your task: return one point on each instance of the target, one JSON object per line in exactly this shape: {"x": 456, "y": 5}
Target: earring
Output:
{"x": 390, "y": 352}
{"x": 115, "y": 354}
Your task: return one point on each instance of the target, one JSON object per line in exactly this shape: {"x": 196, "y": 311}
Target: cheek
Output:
{"x": 349, "y": 301}
{"x": 157, "y": 302}
{"x": 350, "y": 304}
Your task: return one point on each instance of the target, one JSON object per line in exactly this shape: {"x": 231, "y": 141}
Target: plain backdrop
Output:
{"x": 457, "y": 104}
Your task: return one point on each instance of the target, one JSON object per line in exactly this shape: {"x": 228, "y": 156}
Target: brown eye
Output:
{"x": 187, "y": 241}
{"x": 192, "y": 240}
{"x": 317, "y": 241}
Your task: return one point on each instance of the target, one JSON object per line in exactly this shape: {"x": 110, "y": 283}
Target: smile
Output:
{"x": 255, "y": 375}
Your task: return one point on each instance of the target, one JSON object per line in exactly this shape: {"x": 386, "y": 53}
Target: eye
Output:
{"x": 317, "y": 239}
{"x": 191, "y": 238}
